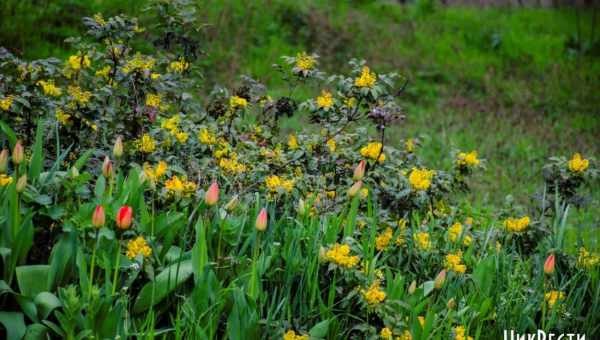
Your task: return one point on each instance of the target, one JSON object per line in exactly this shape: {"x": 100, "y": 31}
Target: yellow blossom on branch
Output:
{"x": 420, "y": 179}
{"x": 578, "y": 164}
{"x": 366, "y": 79}
{"x": 138, "y": 246}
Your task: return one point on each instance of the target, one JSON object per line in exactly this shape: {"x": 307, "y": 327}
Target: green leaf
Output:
{"x": 14, "y": 324}
{"x": 10, "y": 134}
{"x": 428, "y": 287}
{"x": 200, "y": 251}
{"x": 83, "y": 159}
{"x": 37, "y": 156}
{"x": 36, "y": 331}
{"x": 483, "y": 275}
{"x": 319, "y": 330}
{"x": 46, "y": 302}
{"x": 33, "y": 279}
{"x": 164, "y": 284}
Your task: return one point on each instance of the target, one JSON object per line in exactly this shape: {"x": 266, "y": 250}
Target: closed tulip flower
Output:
{"x": 359, "y": 171}
{"x": 98, "y": 218}
{"x": 21, "y": 183}
{"x": 124, "y": 217}
{"x": 212, "y": 195}
{"x": 261, "y": 220}
{"x": 18, "y": 153}
{"x": 3, "y": 161}
{"x": 107, "y": 167}
{"x": 118, "y": 148}
{"x": 440, "y": 279}
{"x": 549, "y": 264}
{"x": 354, "y": 189}
{"x": 412, "y": 287}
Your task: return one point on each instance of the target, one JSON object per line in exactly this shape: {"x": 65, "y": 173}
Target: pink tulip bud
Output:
{"x": 440, "y": 279}
{"x": 118, "y": 148}
{"x": 212, "y": 195}
{"x": 124, "y": 217}
{"x": 354, "y": 189}
{"x": 21, "y": 183}
{"x": 549, "y": 264}
{"x": 359, "y": 171}
{"x": 107, "y": 167}
{"x": 17, "y": 156}
{"x": 98, "y": 217}
{"x": 3, "y": 161}
{"x": 261, "y": 220}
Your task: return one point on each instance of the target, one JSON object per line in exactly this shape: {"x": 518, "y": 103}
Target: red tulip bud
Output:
{"x": 98, "y": 217}
{"x": 124, "y": 217}
{"x": 354, "y": 189}
{"x": 549, "y": 264}
{"x": 107, "y": 167}
{"x": 17, "y": 156}
{"x": 359, "y": 171}
{"x": 440, "y": 279}
{"x": 261, "y": 220}
{"x": 212, "y": 195}
{"x": 3, "y": 161}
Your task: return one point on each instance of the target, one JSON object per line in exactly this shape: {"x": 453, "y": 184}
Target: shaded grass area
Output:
{"x": 515, "y": 84}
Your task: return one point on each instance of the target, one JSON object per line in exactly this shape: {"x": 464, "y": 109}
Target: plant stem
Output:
{"x": 93, "y": 263}
{"x": 114, "y": 287}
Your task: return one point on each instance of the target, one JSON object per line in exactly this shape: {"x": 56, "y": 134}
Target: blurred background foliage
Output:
{"x": 516, "y": 83}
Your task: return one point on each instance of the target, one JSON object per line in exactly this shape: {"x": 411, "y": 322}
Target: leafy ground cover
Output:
{"x": 141, "y": 200}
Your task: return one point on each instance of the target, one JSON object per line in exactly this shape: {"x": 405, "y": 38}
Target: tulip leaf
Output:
{"x": 14, "y": 323}
{"x": 37, "y": 156}
{"x": 32, "y": 279}
{"x": 164, "y": 284}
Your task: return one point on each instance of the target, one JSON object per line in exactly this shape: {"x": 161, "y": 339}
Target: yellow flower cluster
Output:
{"x": 587, "y": 260}
{"x": 49, "y": 88}
{"x": 373, "y": 295}
{"x": 291, "y": 335}
{"x": 578, "y": 164}
{"x": 153, "y": 100}
{"x": 305, "y": 62}
{"x": 77, "y": 62}
{"x": 179, "y": 66}
{"x": 386, "y": 333}
{"x": 154, "y": 174}
{"x": 146, "y": 144}
{"x": 6, "y": 102}
{"x": 207, "y": 137}
{"x": 180, "y": 187}
{"x": 383, "y": 240}
{"x": 467, "y": 159}
{"x": 62, "y": 117}
{"x": 340, "y": 255}
{"x": 103, "y": 72}
{"x": 292, "y": 142}
{"x": 553, "y": 296}
{"x": 172, "y": 126}
{"x": 453, "y": 262}
{"x": 366, "y": 78}
{"x": 420, "y": 179}
{"x": 422, "y": 241}
{"x": 236, "y": 102}
{"x": 405, "y": 336}
{"x": 231, "y": 165}
{"x": 516, "y": 225}
{"x": 325, "y": 100}
{"x": 99, "y": 19}
{"x": 459, "y": 333}
{"x": 80, "y": 96}
{"x": 454, "y": 231}
{"x": 139, "y": 63}
{"x": 5, "y": 180}
{"x": 409, "y": 145}
{"x": 138, "y": 246}
{"x": 331, "y": 145}
{"x": 277, "y": 184}
{"x": 373, "y": 151}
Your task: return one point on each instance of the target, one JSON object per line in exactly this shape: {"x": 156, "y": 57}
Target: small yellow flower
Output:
{"x": 350, "y": 102}
{"x": 62, "y": 117}
{"x": 386, "y": 333}
{"x": 366, "y": 79}
{"x": 517, "y": 225}
{"x": 578, "y": 164}
{"x": 236, "y": 102}
{"x": 77, "y": 62}
{"x": 291, "y": 335}
{"x": 421, "y": 320}
{"x": 467, "y": 240}
{"x": 99, "y": 19}
{"x": 325, "y": 100}
{"x": 292, "y": 142}
{"x": 422, "y": 241}
{"x": 5, "y": 180}
{"x": 364, "y": 193}
{"x": 138, "y": 246}
{"x": 180, "y": 187}
{"x": 373, "y": 151}
{"x": 373, "y": 295}
{"x": 552, "y": 297}
{"x": 80, "y": 96}
{"x": 467, "y": 159}
{"x": 179, "y": 66}
{"x": 206, "y": 137}
{"x": 231, "y": 165}
{"x": 138, "y": 63}
{"x": 331, "y": 145}
{"x": 405, "y": 336}
{"x": 6, "y": 102}
{"x": 409, "y": 145}
{"x": 340, "y": 255}
{"x": 453, "y": 262}
{"x": 181, "y": 136}
{"x": 587, "y": 260}
{"x": 49, "y": 88}
{"x": 103, "y": 72}
{"x": 454, "y": 231}
{"x": 305, "y": 62}
{"x": 153, "y": 100}
{"x": 459, "y": 333}
{"x": 420, "y": 179}
{"x": 146, "y": 144}
{"x": 383, "y": 240}
{"x": 277, "y": 184}
{"x": 154, "y": 174}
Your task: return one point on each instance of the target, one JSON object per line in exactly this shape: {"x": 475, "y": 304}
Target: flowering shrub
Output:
{"x": 211, "y": 223}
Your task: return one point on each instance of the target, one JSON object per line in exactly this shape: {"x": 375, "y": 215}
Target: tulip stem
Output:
{"x": 114, "y": 287}
{"x": 93, "y": 263}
